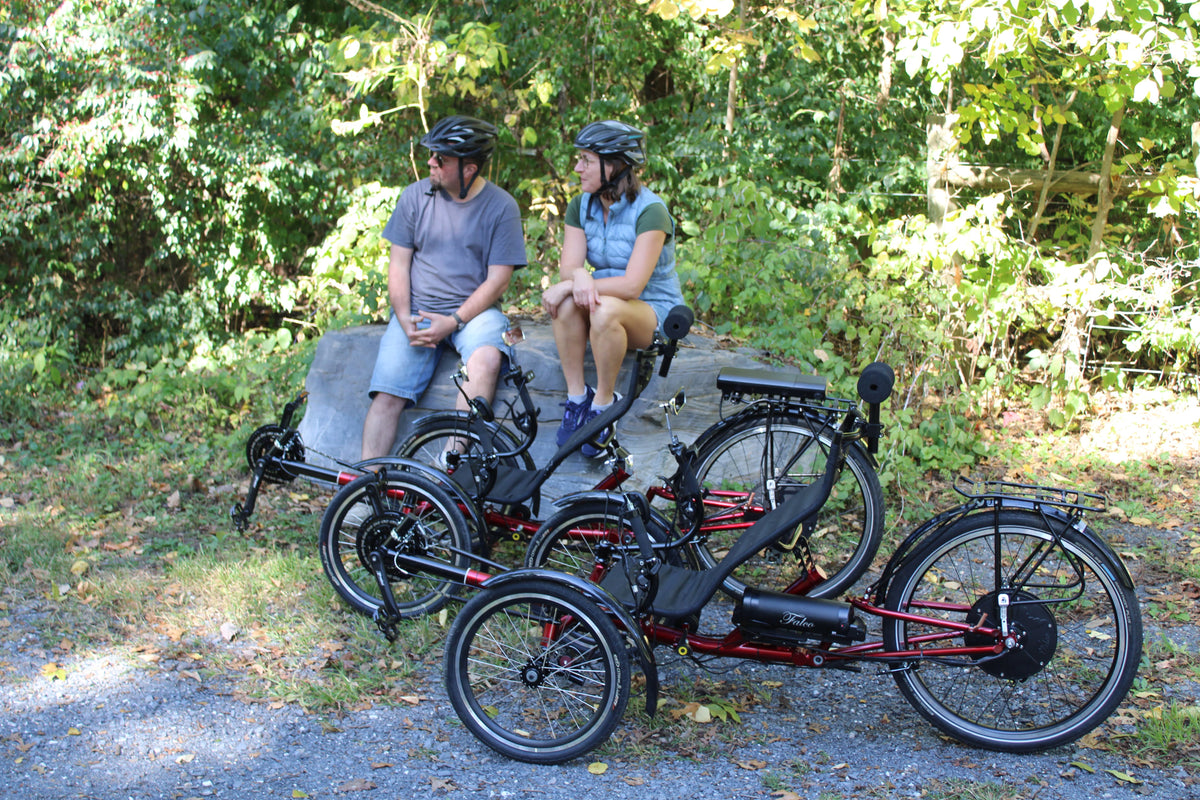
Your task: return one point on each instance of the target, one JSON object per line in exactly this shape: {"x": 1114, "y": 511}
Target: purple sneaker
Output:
{"x": 588, "y": 449}
{"x": 573, "y": 416}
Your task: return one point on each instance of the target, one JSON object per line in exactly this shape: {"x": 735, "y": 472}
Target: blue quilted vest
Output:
{"x": 610, "y": 244}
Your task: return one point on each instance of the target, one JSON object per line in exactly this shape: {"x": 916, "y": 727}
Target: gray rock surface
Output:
{"x": 341, "y": 371}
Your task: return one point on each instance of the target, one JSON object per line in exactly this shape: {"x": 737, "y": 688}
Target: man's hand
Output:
{"x": 427, "y": 330}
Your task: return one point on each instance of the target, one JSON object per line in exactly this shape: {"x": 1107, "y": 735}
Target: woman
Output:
{"x": 617, "y": 270}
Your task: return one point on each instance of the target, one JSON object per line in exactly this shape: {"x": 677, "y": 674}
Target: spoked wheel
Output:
{"x": 537, "y": 671}
{"x": 575, "y": 539}
{"x": 1075, "y": 632}
{"x": 401, "y": 513}
{"x": 752, "y": 457}
{"x": 436, "y": 434}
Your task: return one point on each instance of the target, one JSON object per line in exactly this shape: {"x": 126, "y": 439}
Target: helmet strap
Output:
{"x": 610, "y": 183}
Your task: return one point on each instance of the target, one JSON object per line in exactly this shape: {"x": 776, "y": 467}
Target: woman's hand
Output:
{"x": 584, "y": 290}
{"x": 553, "y": 297}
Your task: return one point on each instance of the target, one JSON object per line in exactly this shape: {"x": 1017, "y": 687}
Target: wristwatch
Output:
{"x": 458, "y": 320}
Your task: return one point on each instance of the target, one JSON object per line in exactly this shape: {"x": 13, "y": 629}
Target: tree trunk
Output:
{"x": 1070, "y": 344}
{"x": 731, "y": 98}
{"x": 1051, "y": 160}
{"x": 1105, "y": 195}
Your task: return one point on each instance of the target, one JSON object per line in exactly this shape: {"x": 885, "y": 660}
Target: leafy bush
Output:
{"x": 152, "y": 167}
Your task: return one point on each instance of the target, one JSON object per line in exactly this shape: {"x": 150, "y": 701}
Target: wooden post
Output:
{"x": 939, "y": 155}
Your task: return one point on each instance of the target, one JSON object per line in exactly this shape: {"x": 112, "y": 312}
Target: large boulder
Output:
{"x": 341, "y": 370}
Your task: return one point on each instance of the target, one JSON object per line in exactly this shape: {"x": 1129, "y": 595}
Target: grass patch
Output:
{"x": 115, "y": 538}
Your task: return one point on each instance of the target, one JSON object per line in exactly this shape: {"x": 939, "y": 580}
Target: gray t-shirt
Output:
{"x": 454, "y": 243}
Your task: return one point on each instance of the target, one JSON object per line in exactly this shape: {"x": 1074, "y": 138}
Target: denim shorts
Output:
{"x": 405, "y": 371}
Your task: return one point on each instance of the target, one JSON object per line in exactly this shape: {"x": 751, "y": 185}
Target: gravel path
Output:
{"x": 110, "y": 731}
{"x": 114, "y": 728}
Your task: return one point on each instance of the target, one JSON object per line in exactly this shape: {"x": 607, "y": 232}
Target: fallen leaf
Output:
{"x": 356, "y": 785}
{"x": 298, "y": 793}
{"x": 752, "y": 764}
{"x": 634, "y": 780}
{"x": 597, "y": 768}
{"x": 228, "y": 631}
{"x": 54, "y": 672}
{"x": 1124, "y": 777}
{"x": 784, "y": 794}
{"x": 186, "y": 758}
{"x": 80, "y": 566}
{"x": 73, "y": 732}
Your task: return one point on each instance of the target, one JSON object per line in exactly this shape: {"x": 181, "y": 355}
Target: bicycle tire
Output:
{"x": 406, "y": 512}
{"x": 536, "y": 671}
{"x": 568, "y": 539}
{"x": 1077, "y": 643}
{"x": 430, "y": 433}
{"x": 849, "y": 527}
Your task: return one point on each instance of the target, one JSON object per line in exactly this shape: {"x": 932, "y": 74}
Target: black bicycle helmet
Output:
{"x": 463, "y": 138}
{"x": 612, "y": 139}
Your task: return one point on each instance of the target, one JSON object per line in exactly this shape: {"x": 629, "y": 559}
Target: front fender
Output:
{"x": 438, "y": 478}
{"x": 601, "y": 597}
{"x": 616, "y": 499}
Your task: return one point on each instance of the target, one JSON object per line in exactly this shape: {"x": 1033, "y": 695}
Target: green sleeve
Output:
{"x": 655, "y": 217}
{"x": 573, "y": 207}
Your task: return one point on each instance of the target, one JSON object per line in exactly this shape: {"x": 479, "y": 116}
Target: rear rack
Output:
{"x": 1048, "y": 495}
{"x": 737, "y": 382}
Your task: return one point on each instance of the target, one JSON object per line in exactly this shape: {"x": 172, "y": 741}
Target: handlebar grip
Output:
{"x": 874, "y": 386}
{"x": 876, "y": 382}
{"x": 678, "y": 322}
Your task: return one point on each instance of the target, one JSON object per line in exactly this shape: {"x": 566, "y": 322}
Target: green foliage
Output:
{"x": 348, "y": 272}
{"x": 175, "y": 174}
{"x": 116, "y": 190}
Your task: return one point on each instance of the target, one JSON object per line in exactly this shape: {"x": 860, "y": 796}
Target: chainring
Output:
{"x": 380, "y": 529}
{"x": 262, "y": 446}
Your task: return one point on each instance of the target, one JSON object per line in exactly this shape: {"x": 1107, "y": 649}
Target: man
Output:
{"x": 455, "y": 240}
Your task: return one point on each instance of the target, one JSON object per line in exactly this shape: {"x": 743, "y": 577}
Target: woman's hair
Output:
{"x": 627, "y": 185}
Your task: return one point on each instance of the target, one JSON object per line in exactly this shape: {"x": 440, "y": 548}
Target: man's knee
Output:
{"x": 485, "y": 363}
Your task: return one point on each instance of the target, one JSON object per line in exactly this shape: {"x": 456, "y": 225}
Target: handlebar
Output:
{"x": 676, "y": 326}
{"x": 874, "y": 386}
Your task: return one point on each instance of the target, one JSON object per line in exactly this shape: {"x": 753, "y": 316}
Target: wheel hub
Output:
{"x": 532, "y": 675}
{"x": 1032, "y": 639}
